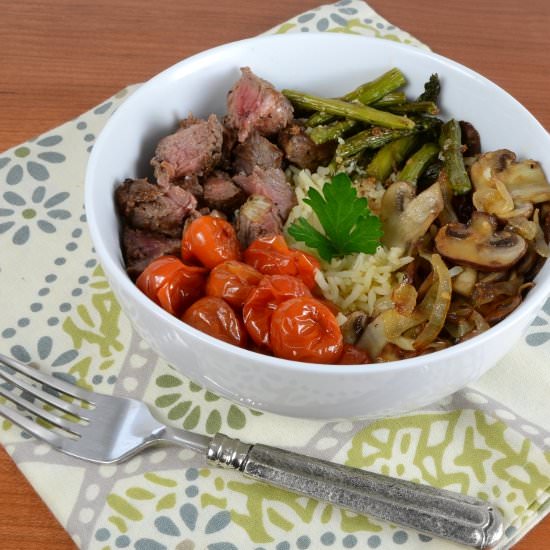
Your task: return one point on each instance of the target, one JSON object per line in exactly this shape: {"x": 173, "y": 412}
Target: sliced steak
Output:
{"x": 146, "y": 206}
{"x": 257, "y": 217}
{"x": 254, "y": 104}
{"x": 228, "y": 144}
{"x": 191, "y": 184}
{"x": 193, "y": 150}
{"x": 221, "y": 193}
{"x": 301, "y": 150}
{"x": 270, "y": 183}
{"x": 256, "y": 150}
{"x": 139, "y": 248}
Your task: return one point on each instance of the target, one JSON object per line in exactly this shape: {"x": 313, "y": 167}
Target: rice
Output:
{"x": 354, "y": 282}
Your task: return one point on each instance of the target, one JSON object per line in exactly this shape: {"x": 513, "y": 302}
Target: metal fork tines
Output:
{"x": 91, "y": 426}
{"x": 11, "y": 371}
{"x": 105, "y": 429}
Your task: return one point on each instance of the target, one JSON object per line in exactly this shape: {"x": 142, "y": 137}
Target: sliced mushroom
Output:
{"x": 406, "y": 217}
{"x": 470, "y": 138}
{"x": 503, "y": 185}
{"x": 540, "y": 244}
{"x": 479, "y": 244}
{"x": 353, "y": 328}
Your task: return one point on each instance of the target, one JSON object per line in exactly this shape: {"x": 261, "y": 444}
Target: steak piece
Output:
{"x": 228, "y": 144}
{"x": 191, "y": 184}
{"x": 140, "y": 248}
{"x": 257, "y": 217}
{"x": 256, "y": 150}
{"x": 146, "y": 206}
{"x": 221, "y": 193}
{"x": 254, "y": 104}
{"x": 301, "y": 150}
{"x": 193, "y": 150}
{"x": 270, "y": 183}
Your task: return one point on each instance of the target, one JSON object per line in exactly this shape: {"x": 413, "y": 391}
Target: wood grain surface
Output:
{"x": 62, "y": 57}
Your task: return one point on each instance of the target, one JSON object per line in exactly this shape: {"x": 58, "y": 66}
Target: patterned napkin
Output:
{"x": 488, "y": 440}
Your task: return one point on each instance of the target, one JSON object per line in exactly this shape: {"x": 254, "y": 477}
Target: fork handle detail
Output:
{"x": 436, "y": 512}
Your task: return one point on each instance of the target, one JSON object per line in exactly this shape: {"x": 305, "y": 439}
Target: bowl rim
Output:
{"x": 113, "y": 268}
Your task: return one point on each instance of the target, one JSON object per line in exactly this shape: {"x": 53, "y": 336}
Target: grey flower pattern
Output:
{"x": 540, "y": 327}
{"x": 41, "y": 210}
{"x": 30, "y": 158}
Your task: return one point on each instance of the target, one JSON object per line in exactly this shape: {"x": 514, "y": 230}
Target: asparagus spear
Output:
{"x": 418, "y": 162}
{"x": 389, "y": 156}
{"x": 354, "y": 111}
{"x": 453, "y": 162}
{"x": 431, "y": 89}
{"x": 393, "y": 98}
{"x": 373, "y": 138}
{"x": 332, "y": 131}
{"x": 366, "y": 93}
{"x": 428, "y": 107}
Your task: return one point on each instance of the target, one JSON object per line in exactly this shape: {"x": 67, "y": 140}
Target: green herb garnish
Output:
{"x": 349, "y": 226}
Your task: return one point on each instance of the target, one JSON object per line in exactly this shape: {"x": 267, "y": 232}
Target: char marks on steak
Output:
{"x": 142, "y": 247}
{"x": 258, "y": 151}
{"x": 221, "y": 193}
{"x": 270, "y": 183}
{"x": 193, "y": 150}
{"x": 146, "y": 206}
{"x": 257, "y": 217}
{"x": 300, "y": 150}
{"x": 254, "y": 104}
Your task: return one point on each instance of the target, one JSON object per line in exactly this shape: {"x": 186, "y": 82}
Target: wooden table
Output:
{"x": 61, "y": 57}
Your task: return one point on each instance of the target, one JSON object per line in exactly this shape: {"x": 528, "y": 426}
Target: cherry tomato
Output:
{"x": 304, "y": 329}
{"x": 264, "y": 300}
{"x": 272, "y": 256}
{"x": 353, "y": 356}
{"x": 172, "y": 284}
{"x": 216, "y": 317}
{"x": 233, "y": 281}
{"x": 211, "y": 241}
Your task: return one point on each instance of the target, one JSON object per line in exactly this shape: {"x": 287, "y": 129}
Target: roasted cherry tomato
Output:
{"x": 210, "y": 241}
{"x": 233, "y": 281}
{"x": 216, "y": 317}
{"x": 353, "y": 356}
{"x": 272, "y": 256}
{"x": 304, "y": 329}
{"x": 264, "y": 300}
{"x": 172, "y": 284}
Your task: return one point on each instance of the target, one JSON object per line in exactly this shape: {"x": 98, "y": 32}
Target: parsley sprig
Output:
{"x": 348, "y": 224}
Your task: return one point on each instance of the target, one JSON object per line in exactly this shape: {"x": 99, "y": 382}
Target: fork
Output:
{"x": 107, "y": 429}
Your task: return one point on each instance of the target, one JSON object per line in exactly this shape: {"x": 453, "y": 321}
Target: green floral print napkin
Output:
{"x": 488, "y": 440}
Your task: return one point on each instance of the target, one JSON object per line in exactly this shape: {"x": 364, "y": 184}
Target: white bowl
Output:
{"x": 328, "y": 65}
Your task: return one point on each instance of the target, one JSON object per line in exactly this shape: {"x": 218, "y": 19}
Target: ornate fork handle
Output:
{"x": 445, "y": 514}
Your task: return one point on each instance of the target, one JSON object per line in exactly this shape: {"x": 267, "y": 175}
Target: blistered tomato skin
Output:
{"x": 210, "y": 241}
{"x": 172, "y": 284}
{"x": 217, "y": 318}
{"x": 304, "y": 329}
{"x": 258, "y": 309}
{"x": 233, "y": 281}
{"x": 272, "y": 256}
